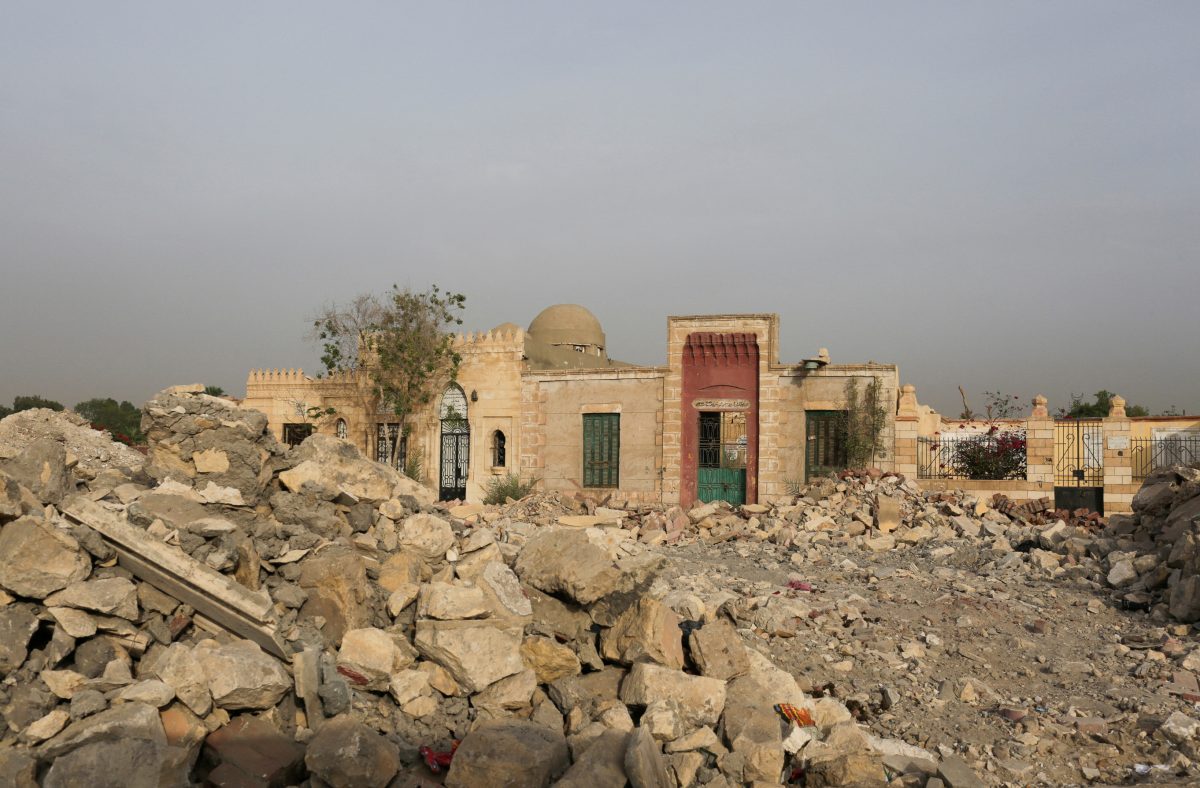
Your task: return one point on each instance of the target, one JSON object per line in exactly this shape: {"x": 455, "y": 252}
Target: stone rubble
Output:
{"x": 563, "y": 640}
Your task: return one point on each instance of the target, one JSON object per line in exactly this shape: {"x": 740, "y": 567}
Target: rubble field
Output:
{"x": 229, "y": 611}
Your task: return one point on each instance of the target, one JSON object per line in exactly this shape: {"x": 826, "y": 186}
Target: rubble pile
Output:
{"x": 90, "y": 452}
{"x": 1151, "y": 558}
{"x": 237, "y": 612}
{"x": 340, "y": 627}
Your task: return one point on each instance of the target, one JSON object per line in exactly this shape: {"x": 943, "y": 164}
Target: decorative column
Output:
{"x": 1119, "y": 487}
{"x": 1039, "y": 444}
{"x": 907, "y": 427}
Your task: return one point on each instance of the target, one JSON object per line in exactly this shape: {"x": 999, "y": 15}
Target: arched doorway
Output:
{"x": 456, "y": 445}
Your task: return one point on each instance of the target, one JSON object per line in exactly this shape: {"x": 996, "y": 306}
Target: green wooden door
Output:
{"x": 721, "y": 471}
{"x": 721, "y": 484}
{"x": 825, "y": 449}
{"x": 601, "y": 450}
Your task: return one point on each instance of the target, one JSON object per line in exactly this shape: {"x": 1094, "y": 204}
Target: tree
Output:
{"x": 1099, "y": 408}
{"x": 865, "y": 418}
{"x": 122, "y": 419}
{"x": 395, "y": 350}
{"x": 214, "y": 391}
{"x": 32, "y": 401}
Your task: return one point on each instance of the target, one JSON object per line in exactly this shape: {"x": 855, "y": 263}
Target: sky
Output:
{"x": 998, "y": 195}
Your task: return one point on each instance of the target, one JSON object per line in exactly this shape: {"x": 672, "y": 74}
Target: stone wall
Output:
{"x": 552, "y": 408}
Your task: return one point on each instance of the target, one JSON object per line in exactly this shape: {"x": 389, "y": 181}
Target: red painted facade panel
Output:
{"x": 723, "y": 367}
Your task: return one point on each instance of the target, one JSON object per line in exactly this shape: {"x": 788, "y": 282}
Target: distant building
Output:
{"x": 722, "y": 419}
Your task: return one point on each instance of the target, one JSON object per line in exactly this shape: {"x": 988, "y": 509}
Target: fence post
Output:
{"x": 1119, "y": 487}
{"x": 907, "y": 422}
{"x": 1039, "y": 444}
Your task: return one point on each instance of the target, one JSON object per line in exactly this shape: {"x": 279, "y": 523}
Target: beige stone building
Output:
{"x": 722, "y": 418}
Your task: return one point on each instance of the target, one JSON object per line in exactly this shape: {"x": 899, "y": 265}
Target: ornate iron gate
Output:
{"x": 721, "y": 471}
{"x": 456, "y": 452}
{"x": 456, "y": 445}
{"x": 1079, "y": 464}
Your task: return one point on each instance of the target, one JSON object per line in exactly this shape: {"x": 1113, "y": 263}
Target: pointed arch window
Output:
{"x": 499, "y": 449}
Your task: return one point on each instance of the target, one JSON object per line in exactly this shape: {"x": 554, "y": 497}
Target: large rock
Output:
{"x": 426, "y": 536}
{"x": 336, "y": 582}
{"x": 180, "y": 669}
{"x": 587, "y": 691}
{"x": 36, "y": 559}
{"x": 370, "y": 656}
{"x": 15, "y": 500}
{"x": 320, "y": 517}
{"x": 559, "y": 561}
{"x": 602, "y": 764}
{"x": 175, "y": 511}
{"x": 503, "y": 590}
{"x": 114, "y": 596}
{"x": 649, "y": 630}
{"x": 718, "y": 651}
{"x": 752, "y": 729}
{"x": 241, "y": 675}
{"x": 644, "y": 762}
{"x": 121, "y": 763}
{"x": 1184, "y": 601}
{"x": 701, "y": 699}
{"x": 17, "y": 625}
{"x": 128, "y": 721}
{"x": 330, "y": 466}
{"x": 549, "y": 659}
{"x": 252, "y": 751}
{"x": 475, "y": 653}
{"x": 347, "y": 754}
{"x": 509, "y": 753}
{"x": 42, "y": 469}
{"x": 450, "y": 602}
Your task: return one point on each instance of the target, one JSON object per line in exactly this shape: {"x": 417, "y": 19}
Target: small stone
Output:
{"x": 402, "y": 597}
{"x": 1179, "y": 727}
{"x": 46, "y": 727}
{"x": 549, "y": 659}
{"x": 152, "y": 692}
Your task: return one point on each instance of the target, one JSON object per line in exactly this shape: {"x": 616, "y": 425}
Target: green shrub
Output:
{"x": 413, "y": 464}
{"x": 501, "y": 488}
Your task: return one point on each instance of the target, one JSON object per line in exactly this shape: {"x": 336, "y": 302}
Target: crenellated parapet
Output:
{"x": 288, "y": 376}
{"x": 498, "y": 340}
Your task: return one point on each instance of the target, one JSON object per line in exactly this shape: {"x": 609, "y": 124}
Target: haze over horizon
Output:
{"x": 1004, "y": 196}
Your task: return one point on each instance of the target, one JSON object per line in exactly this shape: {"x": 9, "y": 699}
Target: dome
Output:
{"x": 567, "y": 324}
{"x": 506, "y": 328}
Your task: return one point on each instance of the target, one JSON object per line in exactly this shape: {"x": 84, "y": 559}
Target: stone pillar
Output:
{"x": 907, "y": 423}
{"x": 1119, "y": 487}
{"x": 1039, "y": 444}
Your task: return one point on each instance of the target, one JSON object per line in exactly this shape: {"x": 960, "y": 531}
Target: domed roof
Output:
{"x": 506, "y": 328}
{"x": 567, "y": 324}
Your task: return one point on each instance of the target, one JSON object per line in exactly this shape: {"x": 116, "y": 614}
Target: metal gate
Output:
{"x": 721, "y": 471}
{"x": 1079, "y": 464}
{"x": 456, "y": 451}
{"x": 825, "y": 447}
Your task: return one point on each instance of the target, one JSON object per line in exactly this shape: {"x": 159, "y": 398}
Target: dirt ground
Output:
{"x": 1034, "y": 681}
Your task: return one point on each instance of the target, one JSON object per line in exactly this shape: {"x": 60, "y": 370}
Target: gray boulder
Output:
{"x": 36, "y": 559}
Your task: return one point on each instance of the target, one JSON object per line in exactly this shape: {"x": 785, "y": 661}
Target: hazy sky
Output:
{"x": 1003, "y": 195}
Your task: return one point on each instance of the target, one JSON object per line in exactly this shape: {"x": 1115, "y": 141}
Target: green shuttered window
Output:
{"x": 601, "y": 449}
